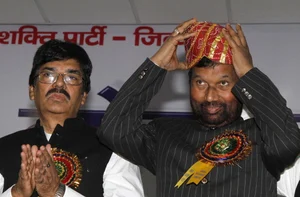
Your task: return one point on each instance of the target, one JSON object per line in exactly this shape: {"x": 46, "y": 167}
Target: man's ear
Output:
{"x": 31, "y": 92}
{"x": 84, "y": 97}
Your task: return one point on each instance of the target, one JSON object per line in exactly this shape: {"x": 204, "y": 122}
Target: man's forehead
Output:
{"x": 62, "y": 65}
{"x": 216, "y": 69}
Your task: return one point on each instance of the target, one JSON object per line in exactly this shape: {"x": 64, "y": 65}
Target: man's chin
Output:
{"x": 58, "y": 107}
{"x": 57, "y": 111}
{"x": 212, "y": 121}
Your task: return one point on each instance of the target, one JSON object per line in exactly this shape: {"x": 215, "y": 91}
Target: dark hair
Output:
{"x": 57, "y": 50}
{"x": 204, "y": 62}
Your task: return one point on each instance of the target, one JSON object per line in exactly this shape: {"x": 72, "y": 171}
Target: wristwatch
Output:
{"x": 61, "y": 190}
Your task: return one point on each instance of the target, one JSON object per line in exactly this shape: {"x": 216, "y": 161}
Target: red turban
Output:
{"x": 209, "y": 42}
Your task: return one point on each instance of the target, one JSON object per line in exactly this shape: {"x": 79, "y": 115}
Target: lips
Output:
{"x": 57, "y": 96}
{"x": 212, "y": 109}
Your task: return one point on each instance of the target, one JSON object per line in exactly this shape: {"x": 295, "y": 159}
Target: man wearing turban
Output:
{"x": 217, "y": 153}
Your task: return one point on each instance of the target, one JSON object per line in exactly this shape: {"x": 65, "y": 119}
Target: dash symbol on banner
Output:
{"x": 119, "y": 38}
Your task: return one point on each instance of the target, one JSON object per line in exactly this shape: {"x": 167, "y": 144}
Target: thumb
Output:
{"x": 183, "y": 65}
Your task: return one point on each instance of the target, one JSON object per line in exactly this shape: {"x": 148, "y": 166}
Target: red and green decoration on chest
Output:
{"x": 68, "y": 167}
{"x": 226, "y": 149}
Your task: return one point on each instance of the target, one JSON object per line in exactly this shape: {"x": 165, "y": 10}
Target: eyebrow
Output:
{"x": 225, "y": 76}
{"x": 222, "y": 77}
{"x": 73, "y": 71}
{"x": 49, "y": 68}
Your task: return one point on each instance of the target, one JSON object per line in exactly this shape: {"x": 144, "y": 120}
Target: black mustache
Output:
{"x": 59, "y": 90}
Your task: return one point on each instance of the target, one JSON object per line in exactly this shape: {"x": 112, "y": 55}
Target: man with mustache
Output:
{"x": 217, "y": 153}
{"x": 61, "y": 154}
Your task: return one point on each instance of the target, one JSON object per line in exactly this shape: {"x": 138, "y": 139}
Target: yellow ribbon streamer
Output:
{"x": 198, "y": 171}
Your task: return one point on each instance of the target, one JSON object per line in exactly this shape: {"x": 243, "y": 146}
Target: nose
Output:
{"x": 59, "y": 81}
{"x": 211, "y": 94}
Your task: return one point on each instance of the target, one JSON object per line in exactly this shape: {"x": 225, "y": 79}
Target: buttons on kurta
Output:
{"x": 204, "y": 181}
{"x": 143, "y": 73}
{"x": 246, "y": 93}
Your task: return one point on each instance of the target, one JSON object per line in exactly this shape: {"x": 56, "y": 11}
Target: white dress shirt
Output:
{"x": 288, "y": 182}
{"x": 120, "y": 179}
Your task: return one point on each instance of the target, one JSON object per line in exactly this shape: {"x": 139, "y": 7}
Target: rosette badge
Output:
{"x": 209, "y": 42}
{"x": 68, "y": 167}
{"x": 226, "y": 149}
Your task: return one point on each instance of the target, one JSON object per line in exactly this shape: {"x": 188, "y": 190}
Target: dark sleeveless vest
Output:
{"x": 75, "y": 137}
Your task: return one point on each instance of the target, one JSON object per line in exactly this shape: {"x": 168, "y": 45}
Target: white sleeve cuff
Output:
{"x": 71, "y": 193}
{"x": 68, "y": 193}
{"x": 7, "y": 193}
{"x": 122, "y": 178}
{"x": 289, "y": 180}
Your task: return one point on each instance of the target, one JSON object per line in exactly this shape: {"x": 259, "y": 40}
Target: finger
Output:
{"x": 25, "y": 153}
{"x": 23, "y": 172}
{"x": 46, "y": 160}
{"x": 229, "y": 39}
{"x": 48, "y": 148}
{"x": 34, "y": 150}
{"x": 29, "y": 155}
{"x": 182, "y": 37}
{"x": 183, "y": 65}
{"x": 175, "y": 32}
{"x": 42, "y": 155}
{"x": 26, "y": 158}
{"x": 38, "y": 177}
{"x": 40, "y": 171}
{"x": 39, "y": 160}
{"x": 46, "y": 155}
{"x": 25, "y": 167}
{"x": 180, "y": 28}
{"x": 186, "y": 24}
{"x": 241, "y": 35}
{"x": 233, "y": 34}
{"x": 174, "y": 40}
